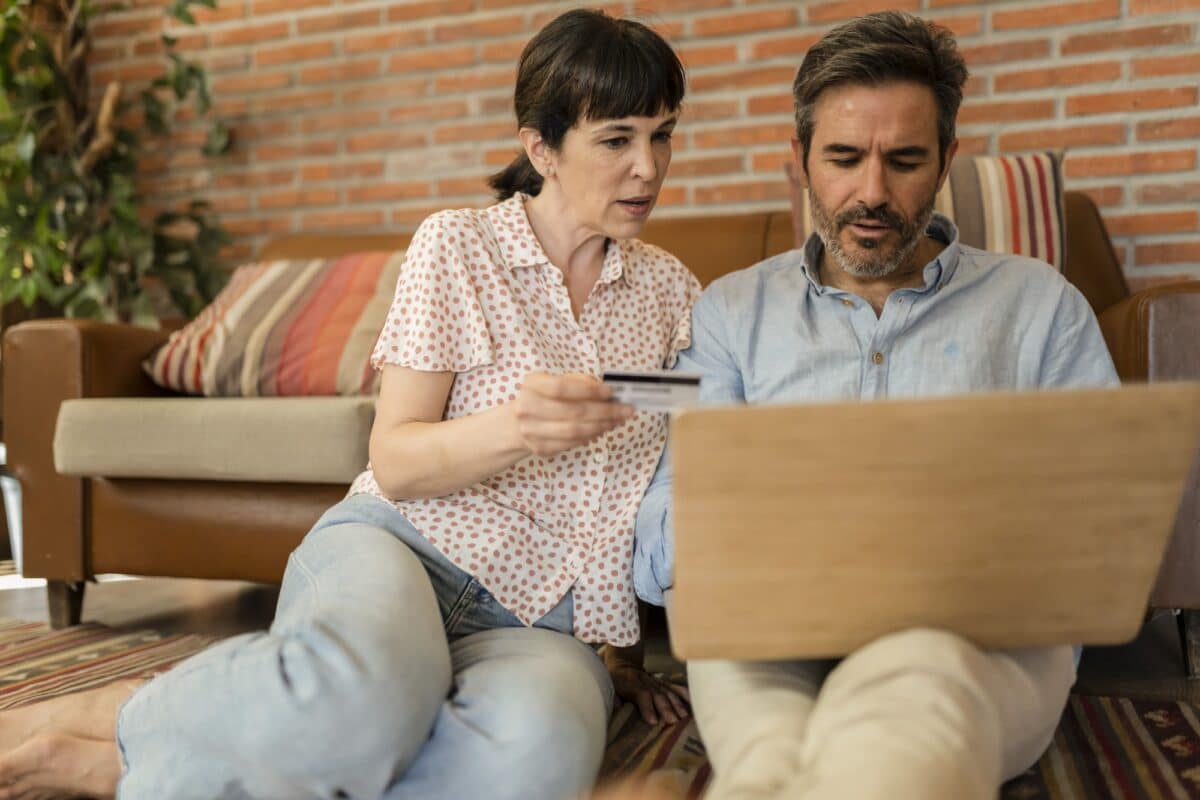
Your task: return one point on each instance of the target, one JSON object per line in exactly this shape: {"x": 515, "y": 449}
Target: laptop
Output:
{"x": 1014, "y": 519}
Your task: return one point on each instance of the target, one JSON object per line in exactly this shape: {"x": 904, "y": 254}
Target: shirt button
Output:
{"x": 877, "y": 358}
{"x": 600, "y": 456}
{"x": 848, "y": 303}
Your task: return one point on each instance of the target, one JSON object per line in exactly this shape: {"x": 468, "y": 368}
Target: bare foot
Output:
{"x": 89, "y": 715}
{"x": 58, "y": 766}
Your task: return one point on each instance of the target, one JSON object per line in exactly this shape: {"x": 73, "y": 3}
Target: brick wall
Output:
{"x": 368, "y": 114}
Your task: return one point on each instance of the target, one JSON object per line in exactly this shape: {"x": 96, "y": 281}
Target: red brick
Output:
{"x": 1175, "y": 128}
{"x": 405, "y": 11}
{"x": 501, "y": 157}
{"x": 961, "y": 26}
{"x": 471, "y": 29}
{"x": 437, "y": 58}
{"x": 264, "y": 7}
{"x": 709, "y": 165}
{"x": 340, "y": 121}
{"x": 1105, "y": 196}
{"x": 342, "y": 221}
{"x": 503, "y": 52}
{"x": 1045, "y": 77}
{"x": 341, "y": 171}
{"x": 1166, "y": 65}
{"x": 973, "y": 145}
{"x": 294, "y": 101}
{"x": 709, "y": 110}
{"x": 224, "y": 11}
{"x": 1130, "y": 163}
{"x": 409, "y": 218}
{"x": 291, "y": 152}
{"x": 377, "y": 91}
{"x": 249, "y": 34}
{"x": 254, "y": 180}
{"x": 976, "y": 86}
{"x": 388, "y": 192}
{"x": 339, "y": 21}
{"x": 741, "y": 78}
{"x": 1156, "y": 222}
{"x": 473, "y": 132}
{"x": 389, "y": 40}
{"x": 772, "y": 162}
{"x": 975, "y": 112}
{"x": 459, "y": 187}
{"x": 1122, "y": 40}
{"x": 1139, "y": 7}
{"x": 745, "y": 192}
{"x": 268, "y": 129}
{"x": 383, "y": 141}
{"x": 652, "y": 7}
{"x": 290, "y": 53}
{"x": 298, "y": 197}
{"x": 230, "y": 203}
{"x": 1170, "y": 253}
{"x": 671, "y": 196}
{"x": 257, "y": 225}
{"x": 771, "y": 104}
{"x": 705, "y": 56}
{"x": 1045, "y": 16}
{"x": 341, "y": 71}
{"x": 745, "y": 135}
{"x": 1170, "y": 193}
{"x": 428, "y": 112}
{"x": 844, "y": 9}
{"x": 744, "y": 22}
{"x": 126, "y": 25}
{"x": 479, "y": 79}
{"x": 978, "y": 55}
{"x": 791, "y": 45}
{"x": 1138, "y": 100}
{"x": 252, "y": 82}
{"x": 1076, "y": 136}
{"x": 948, "y": 3}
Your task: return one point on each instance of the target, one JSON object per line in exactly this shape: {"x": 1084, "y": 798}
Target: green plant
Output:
{"x": 75, "y": 233}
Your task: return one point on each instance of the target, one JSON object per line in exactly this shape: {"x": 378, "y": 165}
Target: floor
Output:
{"x": 1148, "y": 667}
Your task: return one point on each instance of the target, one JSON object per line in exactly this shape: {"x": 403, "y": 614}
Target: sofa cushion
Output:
{"x": 293, "y": 327}
{"x": 291, "y": 439}
{"x": 1005, "y": 204}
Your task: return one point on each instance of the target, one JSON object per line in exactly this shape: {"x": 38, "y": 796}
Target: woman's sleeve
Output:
{"x": 681, "y": 333}
{"x": 436, "y": 322}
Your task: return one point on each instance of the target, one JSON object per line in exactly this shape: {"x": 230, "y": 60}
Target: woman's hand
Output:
{"x": 553, "y": 413}
{"x": 655, "y": 697}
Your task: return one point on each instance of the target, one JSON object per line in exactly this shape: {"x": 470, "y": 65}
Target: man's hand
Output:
{"x": 655, "y": 697}
{"x": 554, "y": 413}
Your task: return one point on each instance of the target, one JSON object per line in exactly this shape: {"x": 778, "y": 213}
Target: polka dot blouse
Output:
{"x": 477, "y": 296}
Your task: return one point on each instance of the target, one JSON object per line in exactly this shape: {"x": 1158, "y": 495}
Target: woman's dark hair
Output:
{"x": 587, "y": 64}
{"x": 875, "y": 49}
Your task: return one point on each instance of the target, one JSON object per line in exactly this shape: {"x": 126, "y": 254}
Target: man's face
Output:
{"x": 872, "y": 173}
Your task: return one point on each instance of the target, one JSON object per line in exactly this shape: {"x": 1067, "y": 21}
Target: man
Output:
{"x": 883, "y": 301}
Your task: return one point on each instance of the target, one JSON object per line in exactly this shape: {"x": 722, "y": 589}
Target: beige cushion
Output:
{"x": 293, "y": 439}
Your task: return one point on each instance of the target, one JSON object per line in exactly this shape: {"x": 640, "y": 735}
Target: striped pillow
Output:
{"x": 285, "y": 328}
{"x": 1005, "y": 204}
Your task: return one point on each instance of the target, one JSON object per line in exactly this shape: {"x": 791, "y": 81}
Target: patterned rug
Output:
{"x": 1105, "y": 747}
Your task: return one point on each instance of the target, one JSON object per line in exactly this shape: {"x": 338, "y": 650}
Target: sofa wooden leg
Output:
{"x": 65, "y": 599}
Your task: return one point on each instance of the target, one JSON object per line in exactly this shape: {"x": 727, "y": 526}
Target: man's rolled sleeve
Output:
{"x": 720, "y": 384}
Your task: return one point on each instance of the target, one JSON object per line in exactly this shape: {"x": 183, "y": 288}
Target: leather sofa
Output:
{"x": 81, "y": 525}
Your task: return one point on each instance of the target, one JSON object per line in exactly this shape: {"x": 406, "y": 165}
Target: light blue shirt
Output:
{"x": 773, "y": 334}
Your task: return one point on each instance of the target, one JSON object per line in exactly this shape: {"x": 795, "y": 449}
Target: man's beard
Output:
{"x": 867, "y": 264}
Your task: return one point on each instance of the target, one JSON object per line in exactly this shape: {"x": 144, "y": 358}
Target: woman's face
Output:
{"x": 609, "y": 171}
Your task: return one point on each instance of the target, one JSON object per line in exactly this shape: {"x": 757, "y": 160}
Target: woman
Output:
{"x": 431, "y": 639}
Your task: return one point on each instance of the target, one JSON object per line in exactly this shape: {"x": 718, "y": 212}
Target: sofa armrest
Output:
{"x": 46, "y": 362}
{"x": 1155, "y": 334}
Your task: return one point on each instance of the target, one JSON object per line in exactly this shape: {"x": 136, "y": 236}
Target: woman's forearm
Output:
{"x": 429, "y": 459}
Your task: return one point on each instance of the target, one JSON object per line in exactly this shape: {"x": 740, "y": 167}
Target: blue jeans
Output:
{"x": 387, "y": 673}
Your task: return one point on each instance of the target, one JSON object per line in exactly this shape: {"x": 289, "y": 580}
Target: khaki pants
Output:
{"x": 917, "y": 714}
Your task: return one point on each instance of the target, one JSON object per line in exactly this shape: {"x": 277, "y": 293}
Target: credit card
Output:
{"x": 655, "y": 391}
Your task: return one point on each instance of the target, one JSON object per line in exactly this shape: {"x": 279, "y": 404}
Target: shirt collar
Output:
{"x": 937, "y": 273}
{"x": 519, "y": 247}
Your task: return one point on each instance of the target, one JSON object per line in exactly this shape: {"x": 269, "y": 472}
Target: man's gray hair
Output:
{"x": 876, "y": 49}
